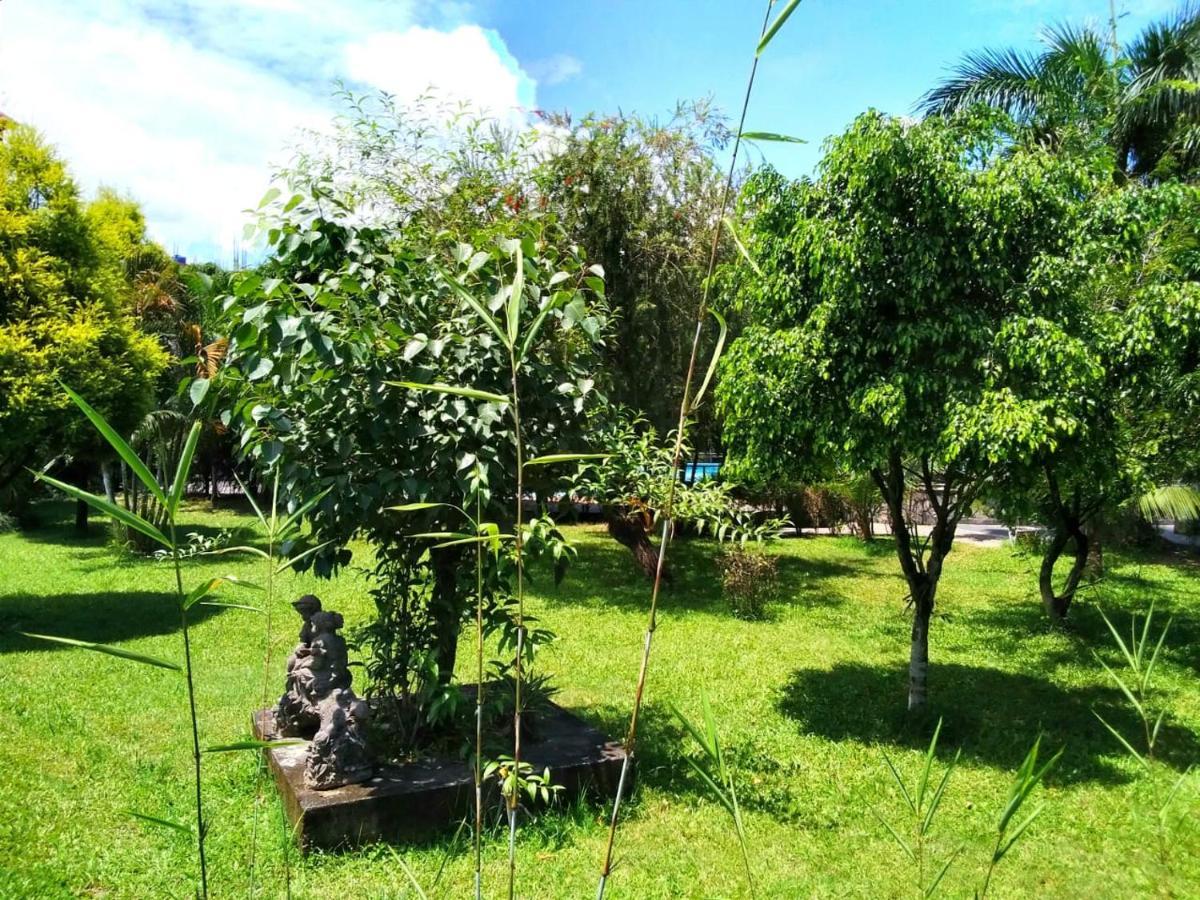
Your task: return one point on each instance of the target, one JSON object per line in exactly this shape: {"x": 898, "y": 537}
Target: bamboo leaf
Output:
{"x": 240, "y": 549}
{"x": 895, "y": 836}
{"x": 479, "y": 539}
{"x": 536, "y": 325}
{"x": 771, "y": 136}
{"x": 936, "y": 800}
{"x": 412, "y": 879}
{"x": 1017, "y": 832}
{"x": 179, "y": 485}
{"x": 123, "y": 449}
{"x": 516, "y": 298}
{"x": 299, "y": 557}
{"x": 201, "y": 591}
{"x": 779, "y": 22}
{"x": 900, "y": 783}
{"x": 451, "y": 389}
{"x": 933, "y": 886}
{"x": 712, "y": 363}
{"x": 302, "y": 510}
{"x": 551, "y": 458}
{"x": 226, "y": 605}
{"x": 250, "y": 496}
{"x": 417, "y": 507}
{"x": 164, "y": 823}
{"x": 136, "y": 522}
{"x": 737, "y": 242}
{"x": 1124, "y": 743}
{"x": 253, "y": 745}
{"x": 465, "y": 295}
{"x": 104, "y": 648}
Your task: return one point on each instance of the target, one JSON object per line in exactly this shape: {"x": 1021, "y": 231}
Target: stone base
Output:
{"x": 412, "y": 800}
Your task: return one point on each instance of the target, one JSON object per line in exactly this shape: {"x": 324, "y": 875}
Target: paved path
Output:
{"x": 984, "y": 534}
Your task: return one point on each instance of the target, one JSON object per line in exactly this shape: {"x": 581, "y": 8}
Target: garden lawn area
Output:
{"x": 808, "y": 702}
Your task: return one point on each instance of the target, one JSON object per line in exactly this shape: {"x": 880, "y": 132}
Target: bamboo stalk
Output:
{"x": 668, "y": 507}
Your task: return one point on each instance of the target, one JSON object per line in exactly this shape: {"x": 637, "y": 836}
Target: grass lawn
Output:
{"x": 807, "y": 703}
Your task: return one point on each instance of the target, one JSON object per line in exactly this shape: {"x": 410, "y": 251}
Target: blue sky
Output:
{"x": 186, "y": 104}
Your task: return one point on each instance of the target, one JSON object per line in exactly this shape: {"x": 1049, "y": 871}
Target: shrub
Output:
{"x": 749, "y": 578}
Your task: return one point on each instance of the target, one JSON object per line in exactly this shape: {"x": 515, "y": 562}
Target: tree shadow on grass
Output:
{"x": 102, "y": 617}
{"x": 992, "y": 715}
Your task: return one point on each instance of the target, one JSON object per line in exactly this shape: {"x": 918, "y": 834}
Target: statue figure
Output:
{"x": 296, "y": 713}
{"x": 338, "y": 753}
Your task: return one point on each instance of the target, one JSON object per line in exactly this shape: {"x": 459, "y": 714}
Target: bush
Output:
{"x": 749, "y": 578}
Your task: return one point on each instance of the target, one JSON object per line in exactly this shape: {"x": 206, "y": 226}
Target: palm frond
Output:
{"x": 1178, "y": 502}
{"x": 1005, "y": 79}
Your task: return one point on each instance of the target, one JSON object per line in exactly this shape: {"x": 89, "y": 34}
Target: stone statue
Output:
{"x": 296, "y": 714}
{"x": 338, "y": 753}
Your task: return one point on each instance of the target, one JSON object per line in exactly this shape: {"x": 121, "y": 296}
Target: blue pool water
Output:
{"x": 701, "y": 470}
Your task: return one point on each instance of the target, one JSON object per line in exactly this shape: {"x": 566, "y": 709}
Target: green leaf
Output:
{"x": 771, "y": 136}
{"x": 478, "y": 539}
{"x": 1124, "y": 742}
{"x": 225, "y": 605}
{"x": 198, "y": 593}
{"x": 302, "y": 510}
{"x": 712, "y": 363}
{"x": 164, "y": 823}
{"x": 417, "y": 507}
{"x": 466, "y": 297}
{"x": 450, "y": 389}
{"x": 300, "y": 557}
{"x": 252, "y": 745}
{"x": 104, "y": 648}
{"x": 126, "y": 453}
{"x": 516, "y": 298}
{"x": 900, "y": 783}
{"x": 737, "y": 241}
{"x": 551, "y": 458}
{"x": 895, "y": 836}
{"x": 198, "y": 390}
{"x": 179, "y": 485}
{"x": 933, "y": 886}
{"x": 412, "y": 879}
{"x": 775, "y": 26}
{"x": 250, "y": 496}
{"x": 136, "y": 522}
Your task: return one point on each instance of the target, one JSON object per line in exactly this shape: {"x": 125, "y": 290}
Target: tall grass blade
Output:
{"x": 163, "y": 823}
{"x": 771, "y": 136}
{"x": 516, "y": 298}
{"x": 713, "y": 362}
{"x": 463, "y": 294}
{"x": 1124, "y": 743}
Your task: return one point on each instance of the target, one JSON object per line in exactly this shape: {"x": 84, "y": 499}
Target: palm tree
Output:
{"x": 1143, "y": 99}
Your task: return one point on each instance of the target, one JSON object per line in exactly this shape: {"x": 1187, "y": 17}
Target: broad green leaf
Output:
{"x": 123, "y": 449}
{"x": 712, "y": 363}
{"x": 136, "y": 522}
{"x": 450, "y": 389}
{"x": 199, "y": 390}
{"x": 737, "y": 241}
{"x": 771, "y": 136}
{"x": 179, "y": 485}
{"x": 551, "y": 458}
{"x": 465, "y": 295}
{"x": 104, "y": 648}
{"x": 164, "y": 823}
{"x": 780, "y": 19}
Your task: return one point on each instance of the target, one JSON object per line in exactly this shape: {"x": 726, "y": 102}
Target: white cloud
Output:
{"x": 186, "y": 107}
{"x": 556, "y": 69}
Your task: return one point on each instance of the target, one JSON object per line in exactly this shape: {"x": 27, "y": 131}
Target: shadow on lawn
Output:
{"x": 606, "y": 575}
{"x": 103, "y": 618}
{"x": 992, "y": 715}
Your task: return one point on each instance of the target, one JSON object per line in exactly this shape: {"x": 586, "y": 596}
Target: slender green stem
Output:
{"x": 514, "y": 796}
{"x": 260, "y": 776}
{"x": 187, "y": 657}
{"x": 668, "y": 507}
{"x": 478, "y": 704}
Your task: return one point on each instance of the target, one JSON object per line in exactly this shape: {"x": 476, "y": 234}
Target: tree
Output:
{"x": 885, "y": 287}
{"x": 1111, "y": 357}
{"x": 63, "y": 318}
{"x": 359, "y": 295}
{"x": 1143, "y": 100}
{"x": 643, "y": 197}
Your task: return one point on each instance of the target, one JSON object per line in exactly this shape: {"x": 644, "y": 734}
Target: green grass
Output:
{"x": 807, "y": 702}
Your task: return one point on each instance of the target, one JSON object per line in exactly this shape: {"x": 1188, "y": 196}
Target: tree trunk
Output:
{"x": 1057, "y": 605}
{"x": 629, "y": 527}
{"x": 446, "y": 610}
{"x": 213, "y": 491}
{"x": 81, "y": 516}
{"x": 918, "y": 653}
